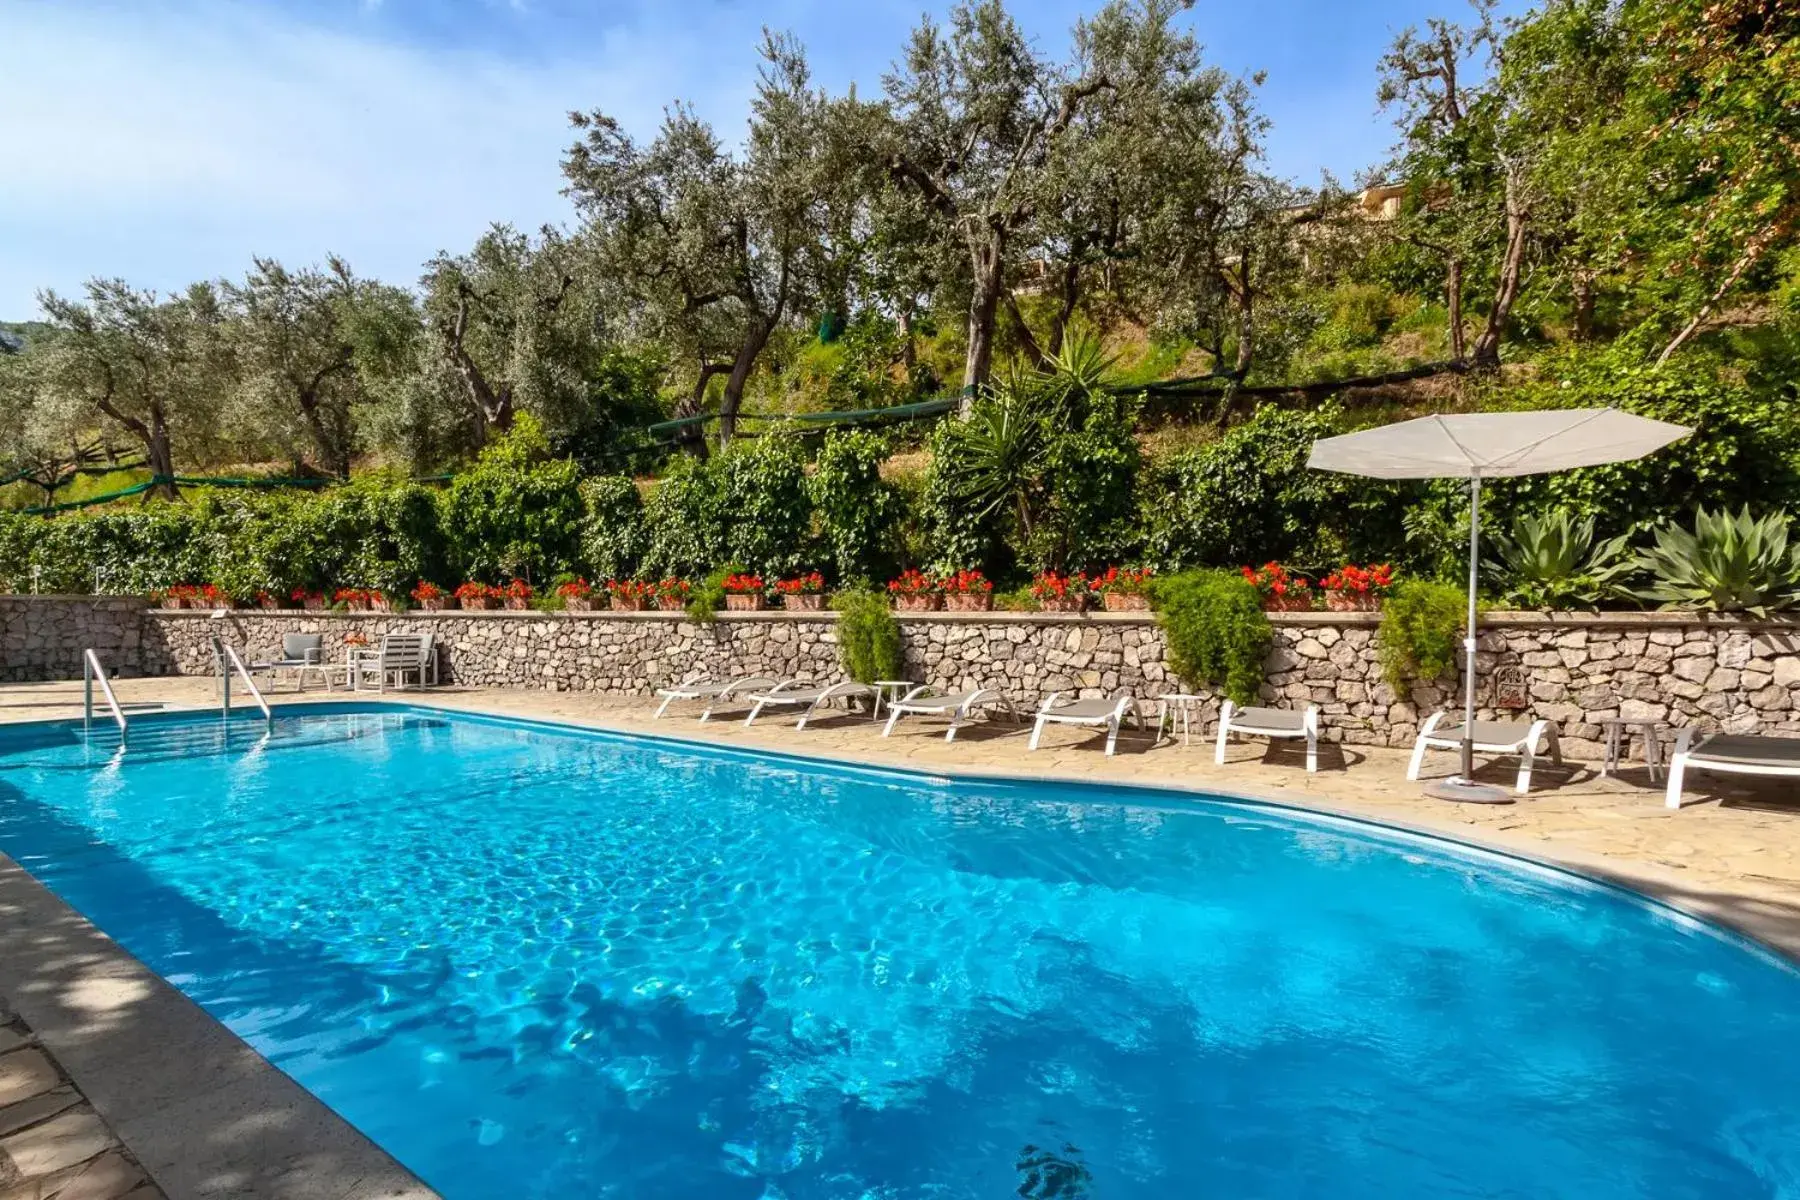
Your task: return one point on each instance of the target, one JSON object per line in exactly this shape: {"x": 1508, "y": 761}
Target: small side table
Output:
{"x": 1618, "y": 737}
{"x": 891, "y": 690}
{"x": 1177, "y": 708}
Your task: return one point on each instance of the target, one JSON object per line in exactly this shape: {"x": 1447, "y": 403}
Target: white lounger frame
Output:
{"x": 1687, "y": 755}
{"x": 703, "y": 691}
{"x": 959, "y": 715}
{"x": 1112, "y": 719}
{"x": 778, "y": 696}
{"x": 1233, "y": 719}
{"x": 1525, "y": 747}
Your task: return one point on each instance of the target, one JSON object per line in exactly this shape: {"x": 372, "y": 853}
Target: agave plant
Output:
{"x": 1727, "y": 564}
{"x": 1552, "y": 561}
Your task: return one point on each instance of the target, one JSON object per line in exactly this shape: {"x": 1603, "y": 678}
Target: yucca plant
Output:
{"x": 1727, "y": 564}
{"x": 1552, "y": 561}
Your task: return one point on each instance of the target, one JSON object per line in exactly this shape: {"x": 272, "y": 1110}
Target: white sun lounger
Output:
{"x": 1491, "y": 737}
{"x": 1732, "y": 754}
{"x": 1271, "y": 723}
{"x": 813, "y": 696}
{"x": 959, "y": 707}
{"x": 1094, "y": 712}
{"x": 714, "y": 691}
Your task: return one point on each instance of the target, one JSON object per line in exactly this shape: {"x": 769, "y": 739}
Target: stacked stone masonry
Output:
{"x": 1572, "y": 669}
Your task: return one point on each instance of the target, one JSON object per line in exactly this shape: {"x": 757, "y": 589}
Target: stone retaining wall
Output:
{"x": 1572, "y": 669}
{"x": 42, "y": 637}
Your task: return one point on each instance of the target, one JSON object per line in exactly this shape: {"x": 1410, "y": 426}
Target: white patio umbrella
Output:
{"x": 1493, "y": 445}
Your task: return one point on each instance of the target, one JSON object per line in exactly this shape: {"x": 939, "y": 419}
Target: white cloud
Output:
{"x": 172, "y": 147}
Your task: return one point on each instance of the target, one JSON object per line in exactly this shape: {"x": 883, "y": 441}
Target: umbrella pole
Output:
{"x": 1468, "y": 742}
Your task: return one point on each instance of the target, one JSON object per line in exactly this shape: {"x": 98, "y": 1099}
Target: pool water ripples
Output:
{"x": 533, "y": 962}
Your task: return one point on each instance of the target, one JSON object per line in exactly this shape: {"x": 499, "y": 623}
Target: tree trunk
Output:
{"x": 1581, "y": 315}
{"x": 909, "y": 351}
{"x": 1027, "y": 339}
{"x": 986, "y": 259}
{"x": 1753, "y": 250}
{"x": 755, "y": 338}
{"x": 1486, "y": 354}
{"x": 160, "y": 457}
{"x": 1070, "y": 295}
{"x": 1453, "y": 283}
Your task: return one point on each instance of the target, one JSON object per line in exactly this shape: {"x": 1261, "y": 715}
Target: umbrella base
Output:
{"x": 1464, "y": 792}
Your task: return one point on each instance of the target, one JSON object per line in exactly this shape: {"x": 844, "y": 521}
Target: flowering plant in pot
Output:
{"x": 311, "y": 599}
{"x": 211, "y": 595}
{"x": 1281, "y": 590}
{"x": 267, "y": 601}
{"x": 916, "y": 591}
{"x": 967, "y": 590}
{"x": 431, "y": 598}
{"x": 354, "y": 599}
{"x": 803, "y": 592}
{"x": 577, "y": 595}
{"x": 377, "y": 600}
{"x": 672, "y": 594}
{"x": 1357, "y": 589}
{"x": 516, "y": 594}
{"x": 631, "y": 595}
{"x": 744, "y": 591}
{"x": 180, "y": 595}
{"x": 1060, "y": 593}
{"x": 1125, "y": 590}
{"x": 477, "y": 595}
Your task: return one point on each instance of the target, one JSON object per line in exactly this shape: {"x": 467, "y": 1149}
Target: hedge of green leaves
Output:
{"x": 1039, "y": 478}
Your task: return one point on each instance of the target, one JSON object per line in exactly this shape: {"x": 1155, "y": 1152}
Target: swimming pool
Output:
{"x": 532, "y": 961}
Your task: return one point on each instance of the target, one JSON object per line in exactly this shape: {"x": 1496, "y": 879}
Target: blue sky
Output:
{"x": 165, "y": 142}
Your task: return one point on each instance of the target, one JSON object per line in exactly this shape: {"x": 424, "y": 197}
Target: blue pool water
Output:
{"x": 533, "y": 962}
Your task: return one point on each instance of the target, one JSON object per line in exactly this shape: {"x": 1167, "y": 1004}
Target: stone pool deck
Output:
{"x": 1732, "y": 854}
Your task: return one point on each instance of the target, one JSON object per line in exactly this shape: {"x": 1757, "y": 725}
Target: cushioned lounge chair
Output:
{"x": 1271, "y": 723}
{"x": 300, "y": 653}
{"x": 959, "y": 707}
{"x": 1491, "y": 737}
{"x": 1096, "y": 712}
{"x": 812, "y": 697}
{"x": 713, "y": 691}
{"x": 1731, "y": 754}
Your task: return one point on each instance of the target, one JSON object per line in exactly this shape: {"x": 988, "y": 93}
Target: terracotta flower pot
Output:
{"x": 804, "y": 601}
{"x": 518, "y": 604}
{"x": 313, "y": 604}
{"x": 1062, "y": 603}
{"x": 743, "y": 601}
{"x": 926, "y": 602}
{"x": 438, "y": 603}
{"x": 672, "y": 603}
{"x": 1124, "y": 602}
{"x": 1287, "y": 603}
{"x": 969, "y": 601}
{"x": 268, "y": 603}
{"x": 1351, "y": 602}
{"x": 578, "y": 603}
{"x": 381, "y": 605}
{"x": 480, "y": 602}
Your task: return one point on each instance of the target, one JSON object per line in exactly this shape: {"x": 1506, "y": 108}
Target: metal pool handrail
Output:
{"x": 228, "y": 654}
{"x": 91, "y": 669}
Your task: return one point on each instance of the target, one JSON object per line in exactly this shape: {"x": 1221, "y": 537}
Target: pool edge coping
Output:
{"x": 202, "y": 1111}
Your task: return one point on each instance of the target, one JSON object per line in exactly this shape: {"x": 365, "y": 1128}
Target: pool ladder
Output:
{"x": 90, "y": 671}
{"x": 227, "y": 659}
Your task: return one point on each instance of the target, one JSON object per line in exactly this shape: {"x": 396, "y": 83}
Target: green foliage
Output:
{"x": 708, "y": 596}
{"x": 1421, "y": 631}
{"x": 1216, "y": 629}
{"x": 762, "y": 484}
{"x": 869, "y": 642}
{"x": 684, "y": 520}
{"x": 517, "y": 513}
{"x": 855, "y": 509}
{"x": 613, "y": 533}
{"x": 1727, "y": 564}
{"x": 1552, "y": 561}
{"x": 1248, "y": 497}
